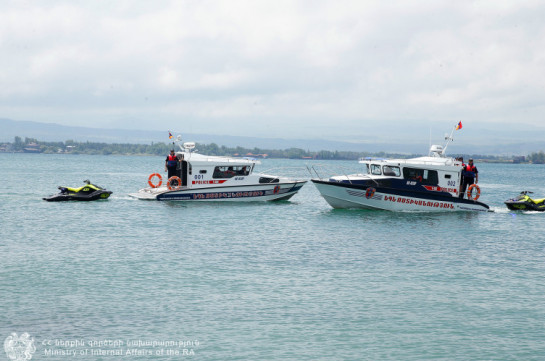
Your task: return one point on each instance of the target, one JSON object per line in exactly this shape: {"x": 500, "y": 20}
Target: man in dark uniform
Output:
{"x": 171, "y": 163}
{"x": 470, "y": 175}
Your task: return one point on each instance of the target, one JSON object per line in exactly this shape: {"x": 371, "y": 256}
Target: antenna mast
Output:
{"x": 448, "y": 140}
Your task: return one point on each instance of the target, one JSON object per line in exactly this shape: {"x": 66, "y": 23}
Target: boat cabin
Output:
{"x": 434, "y": 173}
{"x": 197, "y": 169}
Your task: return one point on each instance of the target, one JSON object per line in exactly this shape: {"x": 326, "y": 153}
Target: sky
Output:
{"x": 342, "y": 70}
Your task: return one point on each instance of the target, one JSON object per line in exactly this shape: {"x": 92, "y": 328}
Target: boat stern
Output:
{"x": 149, "y": 194}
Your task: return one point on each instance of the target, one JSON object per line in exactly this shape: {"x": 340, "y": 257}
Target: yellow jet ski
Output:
{"x": 524, "y": 203}
{"x": 88, "y": 192}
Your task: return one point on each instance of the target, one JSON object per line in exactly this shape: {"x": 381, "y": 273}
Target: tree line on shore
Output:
{"x": 75, "y": 147}
{"x": 537, "y": 157}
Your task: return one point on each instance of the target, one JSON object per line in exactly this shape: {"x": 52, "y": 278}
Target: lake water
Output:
{"x": 296, "y": 280}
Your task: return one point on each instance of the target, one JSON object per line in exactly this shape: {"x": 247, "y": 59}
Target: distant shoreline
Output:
{"x": 477, "y": 160}
{"x": 34, "y": 146}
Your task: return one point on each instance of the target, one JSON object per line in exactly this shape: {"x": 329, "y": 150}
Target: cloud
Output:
{"x": 282, "y": 68}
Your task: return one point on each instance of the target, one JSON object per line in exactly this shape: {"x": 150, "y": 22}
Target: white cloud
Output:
{"x": 312, "y": 68}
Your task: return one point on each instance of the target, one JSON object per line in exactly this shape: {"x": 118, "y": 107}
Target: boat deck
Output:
{"x": 150, "y": 193}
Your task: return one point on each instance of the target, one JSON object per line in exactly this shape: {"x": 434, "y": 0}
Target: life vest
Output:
{"x": 172, "y": 160}
{"x": 470, "y": 170}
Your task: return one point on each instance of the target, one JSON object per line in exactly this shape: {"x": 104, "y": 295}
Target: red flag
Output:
{"x": 459, "y": 126}
{"x": 169, "y": 135}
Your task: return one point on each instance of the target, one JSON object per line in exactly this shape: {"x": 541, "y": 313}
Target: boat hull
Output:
{"x": 346, "y": 195}
{"x": 242, "y": 193}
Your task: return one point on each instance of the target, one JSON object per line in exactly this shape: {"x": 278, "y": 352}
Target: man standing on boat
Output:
{"x": 470, "y": 175}
{"x": 171, "y": 164}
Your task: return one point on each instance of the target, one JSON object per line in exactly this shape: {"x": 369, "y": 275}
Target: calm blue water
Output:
{"x": 292, "y": 280}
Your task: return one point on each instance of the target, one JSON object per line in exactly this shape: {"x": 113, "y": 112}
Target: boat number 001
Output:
{"x": 199, "y": 176}
{"x": 451, "y": 183}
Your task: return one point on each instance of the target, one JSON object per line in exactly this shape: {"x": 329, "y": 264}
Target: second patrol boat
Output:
{"x": 430, "y": 183}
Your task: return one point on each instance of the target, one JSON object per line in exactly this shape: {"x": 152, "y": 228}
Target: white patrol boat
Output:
{"x": 425, "y": 184}
{"x": 213, "y": 178}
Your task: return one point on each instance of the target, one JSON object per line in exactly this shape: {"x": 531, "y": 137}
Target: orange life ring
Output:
{"x": 370, "y": 192}
{"x": 176, "y": 187}
{"x": 276, "y": 189}
{"x": 470, "y": 192}
{"x": 153, "y": 185}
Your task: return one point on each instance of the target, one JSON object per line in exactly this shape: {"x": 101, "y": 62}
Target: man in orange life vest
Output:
{"x": 470, "y": 175}
{"x": 171, "y": 163}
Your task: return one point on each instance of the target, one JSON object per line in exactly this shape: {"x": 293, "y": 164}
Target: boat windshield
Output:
{"x": 391, "y": 171}
{"x": 375, "y": 169}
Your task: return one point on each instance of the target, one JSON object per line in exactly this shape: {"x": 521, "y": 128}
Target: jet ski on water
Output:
{"x": 524, "y": 203}
{"x": 88, "y": 192}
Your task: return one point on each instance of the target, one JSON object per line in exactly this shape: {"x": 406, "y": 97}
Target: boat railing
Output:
{"x": 447, "y": 162}
{"x": 290, "y": 172}
{"x": 412, "y": 161}
{"x": 222, "y": 159}
{"x": 317, "y": 169}
{"x": 371, "y": 159}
